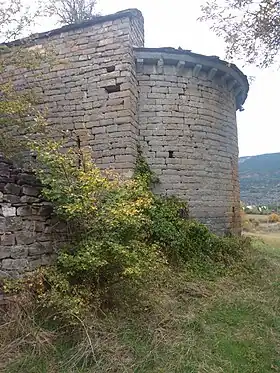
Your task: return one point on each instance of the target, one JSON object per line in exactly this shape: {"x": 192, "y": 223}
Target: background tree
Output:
{"x": 72, "y": 11}
{"x": 250, "y": 28}
{"x": 19, "y": 116}
{"x": 16, "y": 17}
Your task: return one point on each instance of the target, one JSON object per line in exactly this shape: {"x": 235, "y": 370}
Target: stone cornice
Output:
{"x": 227, "y": 73}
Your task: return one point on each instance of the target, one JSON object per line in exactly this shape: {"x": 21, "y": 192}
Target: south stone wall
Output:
{"x": 89, "y": 85}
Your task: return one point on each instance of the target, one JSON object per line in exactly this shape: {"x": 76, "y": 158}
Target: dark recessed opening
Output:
{"x": 195, "y": 147}
{"x": 183, "y": 213}
{"x": 233, "y": 209}
{"x": 110, "y": 69}
{"x": 34, "y": 156}
{"x": 113, "y": 88}
{"x": 171, "y": 154}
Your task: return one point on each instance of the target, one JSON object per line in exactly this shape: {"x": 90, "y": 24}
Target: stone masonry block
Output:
{"x": 8, "y": 210}
{"x": 24, "y": 211}
{"x": 12, "y": 189}
{"x": 25, "y": 237}
{"x": 19, "y": 251}
{"x": 7, "y": 239}
{"x": 13, "y": 223}
{"x": 19, "y": 265}
{"x": 5, "y": 252}
{"x": 12, "y": 199}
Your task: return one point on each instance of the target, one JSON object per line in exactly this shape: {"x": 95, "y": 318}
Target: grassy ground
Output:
{"x": 259, "y": 217}
{"x": 272, "y": 239}
{"x": 228, "y": 324}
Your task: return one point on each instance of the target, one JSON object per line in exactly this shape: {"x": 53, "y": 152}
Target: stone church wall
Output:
{"x": 113, "y": 93}
{"x": 90, "y": 85}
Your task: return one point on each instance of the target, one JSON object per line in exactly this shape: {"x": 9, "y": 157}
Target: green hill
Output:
{"x": 260, "y": 179}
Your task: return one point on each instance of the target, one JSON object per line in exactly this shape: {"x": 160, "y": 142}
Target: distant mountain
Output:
{"x": 260, "y": 179}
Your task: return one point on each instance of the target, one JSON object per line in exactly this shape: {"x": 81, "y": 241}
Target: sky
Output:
{"x": 173, "y": 24}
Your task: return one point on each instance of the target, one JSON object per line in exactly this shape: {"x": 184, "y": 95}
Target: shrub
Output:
{"x": 273, "y": 218}
{"x": 184, "y": 239}
{"x": 120, "y": 231}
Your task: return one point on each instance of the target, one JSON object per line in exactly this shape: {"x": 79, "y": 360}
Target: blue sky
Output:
{"x": 174, "y": 23}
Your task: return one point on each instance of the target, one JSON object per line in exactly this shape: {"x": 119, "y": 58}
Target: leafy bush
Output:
{"x": 106, "y": 213}
{"x": 120, "y": 230}
{"x": 184, "y": 239}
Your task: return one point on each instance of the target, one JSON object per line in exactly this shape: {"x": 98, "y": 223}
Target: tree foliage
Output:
{"x": 250, "y": 28}
{"x": 72, "y": 11}
{"x": 16, "y": 17}
{"x": 19, "y": 116}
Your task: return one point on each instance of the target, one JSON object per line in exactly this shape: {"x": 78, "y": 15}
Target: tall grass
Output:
{"x": 179, "y": 322}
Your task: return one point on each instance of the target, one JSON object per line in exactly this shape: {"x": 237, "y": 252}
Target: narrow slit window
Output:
{"x": 171, "y": 154}
{"x": 113, "y": 88}
{"x": 110, "y": 69}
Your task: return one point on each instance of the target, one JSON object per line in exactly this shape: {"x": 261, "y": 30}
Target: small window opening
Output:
{"x": 233, "y": 209}
{"x": 110, "y": 69}
{"x": 113, "y": 88}
{"x": 171, "y": 154}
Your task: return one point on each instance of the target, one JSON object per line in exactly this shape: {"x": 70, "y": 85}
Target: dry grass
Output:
{"x": 179, "y": 324}
{"x": 19, "y": 331}
{"x": 272, "y": 239}
{"x": 259, "y": 217}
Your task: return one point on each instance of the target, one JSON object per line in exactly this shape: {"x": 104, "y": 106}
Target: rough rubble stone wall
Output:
{"x": 91, "y": 86}
{"x": 29, "y": 235}
{"x": 188, "y": 135}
